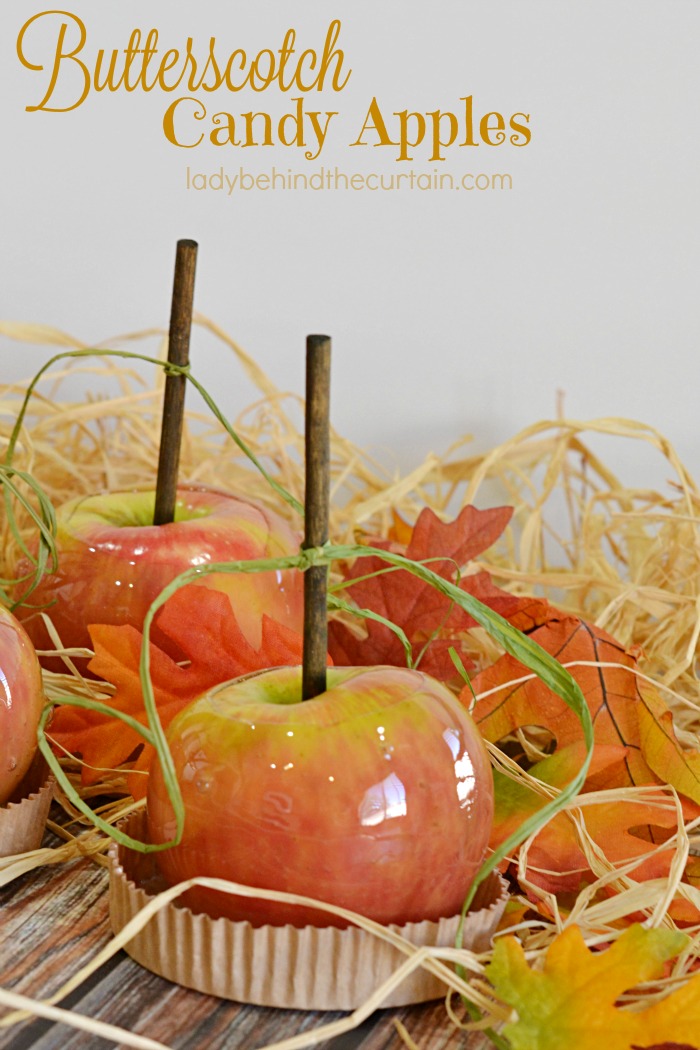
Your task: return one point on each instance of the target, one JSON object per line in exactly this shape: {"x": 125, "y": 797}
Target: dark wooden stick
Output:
{"x": 317, "y": 446}
{"x": 174, "y": 397}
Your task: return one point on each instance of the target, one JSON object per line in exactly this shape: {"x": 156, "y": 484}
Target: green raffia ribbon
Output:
{"x": 46, "y": 560}
{"x": 131, "y": 355}
{"x": 522, "y": 648}
{"x": 43, "y": 517}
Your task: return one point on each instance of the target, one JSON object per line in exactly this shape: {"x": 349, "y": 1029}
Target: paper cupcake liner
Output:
{"x": 23, "y": 818}
{"x": 305, "y": 969}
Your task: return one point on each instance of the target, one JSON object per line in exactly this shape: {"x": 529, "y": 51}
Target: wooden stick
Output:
{"x": 317, "y": 447}
{"x": 174, "y": 397}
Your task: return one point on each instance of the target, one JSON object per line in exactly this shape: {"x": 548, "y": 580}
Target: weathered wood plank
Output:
{"x": 53, "y": 920}
{"x": 63, "y": 911}
{"x": 186, "y": 1020}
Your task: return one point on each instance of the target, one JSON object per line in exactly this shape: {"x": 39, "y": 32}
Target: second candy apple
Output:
{"x": 21, "y": 703}
{"x": 376, "y": 795}
{"x": 113, "y": 562}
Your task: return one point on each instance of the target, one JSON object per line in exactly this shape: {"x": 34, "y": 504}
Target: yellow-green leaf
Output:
{"x": 571, "y": 1002}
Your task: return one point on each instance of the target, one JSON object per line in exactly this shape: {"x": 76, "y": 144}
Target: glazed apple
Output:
{"x": 376, "y": 796}
{"x": 112, "y": 563}
{"x": 21, "y": 703}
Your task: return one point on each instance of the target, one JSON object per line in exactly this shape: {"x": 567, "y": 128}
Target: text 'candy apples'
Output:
{"x": 376, "y": 796}
{"x": 21, "y": 703}
{"x": 113, "y": 562}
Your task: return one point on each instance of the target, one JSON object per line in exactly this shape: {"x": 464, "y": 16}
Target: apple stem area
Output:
{"x": 316, "y": 512}
{"x": 175, "y": 382}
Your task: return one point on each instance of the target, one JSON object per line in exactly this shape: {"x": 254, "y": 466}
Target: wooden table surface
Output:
{"x": 54, "y": 919}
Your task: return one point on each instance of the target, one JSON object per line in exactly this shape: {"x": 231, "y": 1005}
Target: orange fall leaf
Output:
{"x": 202, "y": 623}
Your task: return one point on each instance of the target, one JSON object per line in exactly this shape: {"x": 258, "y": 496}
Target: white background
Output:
{"x": 450, "y": 312}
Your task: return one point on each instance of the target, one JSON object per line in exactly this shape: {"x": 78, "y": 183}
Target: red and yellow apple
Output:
{"x": 21, "y": 703}
{"x": 376, "y": 796}
{"x": 113, "y": 562}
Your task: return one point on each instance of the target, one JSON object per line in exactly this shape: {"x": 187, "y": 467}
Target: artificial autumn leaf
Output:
{"x": 430, "y": 620}
{"x": 692, "y": 870}
{"x": 202, "y": 623}
{"x": 671, "y": 763}
{"x": 515, "y": 800}
{"x": 665, "y": 1046}
{"x": 625, "y": 831}
{"x": 400, "y": 530}
{"x": 570, "y": 1003}
{"x": 625, "y": 714}
{"x": 634, "y": 745}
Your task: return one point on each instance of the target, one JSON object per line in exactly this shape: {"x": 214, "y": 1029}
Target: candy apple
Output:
{"x": 376, "y": 795}
{"x": 21, "y": 703}
{"x": 112, "y": 563}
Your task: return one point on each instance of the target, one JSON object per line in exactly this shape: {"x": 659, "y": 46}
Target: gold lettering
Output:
{"x": 313, "y": 59}
{"x": 486, "y": 128}
{"x": 59, "y": 56}
{"x": 149, "y": 51}
{"x": 438, "y": 141}
{"x": 265, "y": 78}
{"x": 109, "y": 80}
{"x": 320, "y": 131}
{"x": 520, "y": 129}
{"x": 249, "y": 132}
{"x": 169, "y": 59}
{"x": 297, "y": 122}
{"x": 404, "y": 141}
{"x": 211, "y": 65}
{"x": 286, "y": 50}
{"x": 374, "y": 121}
{"x": 468, "y": 120}
{"x": 169, "y": 122}
{"x": 227, "y": 135}
{"x": 243, "y": 58}
{"x": 133, "y": 49}
{"x": 330, "y": 54}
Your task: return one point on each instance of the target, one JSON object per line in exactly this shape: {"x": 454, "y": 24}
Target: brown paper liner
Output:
{"x": 23, "y": 818}
{"x": 303, "y": 969}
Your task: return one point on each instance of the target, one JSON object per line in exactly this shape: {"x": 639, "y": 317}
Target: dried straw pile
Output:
{"x": 628, "y": 560}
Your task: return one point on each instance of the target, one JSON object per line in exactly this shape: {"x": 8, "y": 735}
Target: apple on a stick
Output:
{"x": 375, "y": 796}
{"x": 113, "y": 562}
{"x": 116, "y": 552}
{"x": 21, "y": 703}
{"x": 367, "y": 788}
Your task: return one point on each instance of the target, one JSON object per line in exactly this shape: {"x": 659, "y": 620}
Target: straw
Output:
{"x": 625, "y": 559}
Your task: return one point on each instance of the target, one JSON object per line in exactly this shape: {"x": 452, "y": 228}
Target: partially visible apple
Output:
{"x": 21, "y": 703}
{"x": 112, "y": 563}
{"x": 376, "y": 795}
